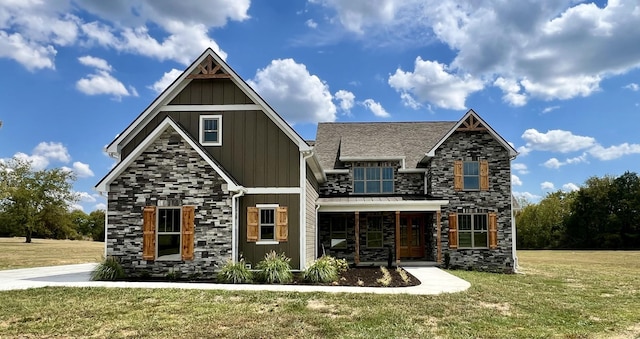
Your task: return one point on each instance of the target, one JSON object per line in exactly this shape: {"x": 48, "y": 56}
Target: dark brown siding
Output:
{"x": 254, "y": 150}
{"x": 211, "y": 92}
{"x": 254, "y": 253}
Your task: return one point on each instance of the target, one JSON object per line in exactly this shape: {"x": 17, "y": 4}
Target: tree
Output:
{"x": 35, "y": 201}
{"x": 96, "y": 224}
{"x": 542, "y": 225}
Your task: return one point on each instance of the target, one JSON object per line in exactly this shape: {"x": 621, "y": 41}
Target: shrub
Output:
{"x": 173, "y": 274}
{"x": 235, "y": 273}
{"x": 386, "y": 277}
{"x": 108, "y": 269}
{"x": 323, "y": 270}
{"x": 274, "y": 269}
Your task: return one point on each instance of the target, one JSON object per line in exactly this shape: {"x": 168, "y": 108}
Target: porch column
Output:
{"x": 439, "y": 241}
{"x": 357, "y": 257}
{"x": 397, "y": 238}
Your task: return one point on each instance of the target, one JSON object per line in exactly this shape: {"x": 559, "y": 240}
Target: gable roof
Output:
{"x": 168, "y": 122}
{"x": 338, "y": 142}
{"x": 180, "y": 83}
{"x": 471, "y": 113}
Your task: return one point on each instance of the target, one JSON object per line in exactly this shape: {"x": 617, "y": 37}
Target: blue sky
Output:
{"x": 558, "y": 79}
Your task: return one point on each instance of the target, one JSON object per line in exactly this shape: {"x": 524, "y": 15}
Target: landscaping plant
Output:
{"x": 235, "y": 273}
{"x": 323, "y": 270}
{"x": 108, "y": 269}
{"x": 274, "y": 269}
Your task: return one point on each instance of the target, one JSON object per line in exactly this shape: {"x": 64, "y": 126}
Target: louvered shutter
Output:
{"x": 188, "y": 230}
{"x": 457, "y": 175}
{"x": 252, "y": 224}
{"x": 453, "y": 231}
{"x": 484, "y": 175}
{"x": 493, "y": 231}
{"x": 149, "y": 233}
{"x": 282, "y": 224}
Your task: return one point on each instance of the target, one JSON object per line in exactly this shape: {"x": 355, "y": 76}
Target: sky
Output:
{"x": 559, "y": 79}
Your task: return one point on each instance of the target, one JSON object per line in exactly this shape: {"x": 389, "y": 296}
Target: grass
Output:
{"x": 15, "y": 253}
{"x": 562, "y": 294}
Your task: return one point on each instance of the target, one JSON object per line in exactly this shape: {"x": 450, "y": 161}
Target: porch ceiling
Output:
{"x": 377, "y": 204}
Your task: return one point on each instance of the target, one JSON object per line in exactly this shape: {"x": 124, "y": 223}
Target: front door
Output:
{"x": 411, "y": 236}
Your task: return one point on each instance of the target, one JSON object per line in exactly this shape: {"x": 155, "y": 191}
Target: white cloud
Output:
{"x": 82, "y": 170}
{"x": 295, "y": 94}
{"x": 633, "y": 86}
{"x": 95, "y": 62}
{"x": 38, "y": 162}
{"x": 527, "y": 196}
{"x": 614, "y": 152}
{"x": 166, "y": 80}
{"x": 102, "y": 82}
{"x": 436, "y": 83}
{"x": 409, "y": 101}
{"x": 555, "y": 163}
{"x": 100, "y": 206}
{"x": 31, "y": 55}
{"x": 52, "y": 151}
{"x": 515, "y": 181}
{"x": 556, "y": 141}
{"x": 346, "y": 100}
{"x": 376, "y": 108}
{"x": 570, "y": 187}
{"x": 549, "y": 109}
{"x": 552, "y": 163}
{"x": 520, "y": 168}
{"x": 356, "y": 15}
{"x": 547, "y": 186}
{"x": 311, "y": 24}
{"x": 73, "y": 207}
{"x": 512, "y": 92}
{"x": 86, "y": 197}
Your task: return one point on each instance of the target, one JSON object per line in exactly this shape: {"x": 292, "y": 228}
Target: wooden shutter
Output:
{"x": 252, "y": 224}
{"x": 282, "y": 224}
{"x": 484, "y": 175}
{"x": 149, "y": 233}
{"x": 457, "y": 175}
{"x": 493, "y": 231}
{"x": 187, "y": 232}
{"x": 453, "y": 231}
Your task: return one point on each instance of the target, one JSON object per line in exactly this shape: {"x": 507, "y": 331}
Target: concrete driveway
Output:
{"x": 433, "y": 281}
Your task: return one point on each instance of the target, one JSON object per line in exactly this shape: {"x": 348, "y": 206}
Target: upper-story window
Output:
{"x": 372, "y": 180}
{"x": 211, "y": 130}
{"x": 471, "y": 175}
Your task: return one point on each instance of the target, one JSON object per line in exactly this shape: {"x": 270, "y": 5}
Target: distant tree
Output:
{"x": 592, "y": 209}
{"x": 542, "y": 225}
{"x": 80, "y": 222}
{"x": 35, "y": 202}
{"x": 96, "y": 224}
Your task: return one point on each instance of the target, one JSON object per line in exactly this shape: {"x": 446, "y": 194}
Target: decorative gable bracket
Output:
{"x": 471, "y": 124}
{"x": 208, "y": 69}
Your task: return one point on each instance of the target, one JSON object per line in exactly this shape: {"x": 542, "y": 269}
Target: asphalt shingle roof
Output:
{"x": 410, "y": 140}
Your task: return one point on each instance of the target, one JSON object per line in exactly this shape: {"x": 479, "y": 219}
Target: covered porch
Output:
{"x": 373, "y": 230}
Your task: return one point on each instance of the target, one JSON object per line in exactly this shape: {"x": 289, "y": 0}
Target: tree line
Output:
{"x": 36, "y": 203}
{"x": 603, "y": 214}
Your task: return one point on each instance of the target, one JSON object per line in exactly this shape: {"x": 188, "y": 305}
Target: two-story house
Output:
{"x": 209, "y": 172}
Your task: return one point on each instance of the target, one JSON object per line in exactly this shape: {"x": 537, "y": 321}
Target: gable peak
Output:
{"x": 209, "y": 69}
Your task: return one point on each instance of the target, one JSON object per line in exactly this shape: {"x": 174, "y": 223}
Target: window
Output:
{"x": 339, "y": 232}
{"x": 371, "y": 180}
{"x": 473, "y": 230}
{"x": 374, "y": 232}
{"x": 471, "y": 175}
{"x": 267, "y": 224}
{"x": 168, "y": 232}
{"x": 211, "y": 130}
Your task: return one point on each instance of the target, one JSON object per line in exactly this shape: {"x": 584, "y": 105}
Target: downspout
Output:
{"x": 235, "y": 227}
{"x": 315, "y": 241}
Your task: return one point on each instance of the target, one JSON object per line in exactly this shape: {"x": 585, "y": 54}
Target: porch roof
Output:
{"x": 378, "y": 204}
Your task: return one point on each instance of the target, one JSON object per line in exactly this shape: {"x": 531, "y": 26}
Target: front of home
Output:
{"x": 209, "y": 172}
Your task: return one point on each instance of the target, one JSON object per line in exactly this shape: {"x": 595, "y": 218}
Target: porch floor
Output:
{"x": 403, "y": 263}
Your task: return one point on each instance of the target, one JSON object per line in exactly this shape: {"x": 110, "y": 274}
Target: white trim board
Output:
{"x": 209, "y": 108}
{"x": 273, "y": 190}
{"x": 383, "y": 206}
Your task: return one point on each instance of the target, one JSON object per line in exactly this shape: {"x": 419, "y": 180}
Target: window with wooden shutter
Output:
{"x": 493, "y": 231}
{"x": 457, "y": 175}
{"x": 188, "y": 230}
{"x": 453, "y": 231}
{"x": 149, "y": 233}
{"x": 252, "y": 224}
{"x": 484, "y": 175}
{"x": 282, "y": 224}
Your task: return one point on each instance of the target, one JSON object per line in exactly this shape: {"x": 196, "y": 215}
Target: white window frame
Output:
{"x": 472, "y": 230}
{"x": 201, "y": 130}
{"x": 179, "y": 233}
{"x": 273, "y": 207}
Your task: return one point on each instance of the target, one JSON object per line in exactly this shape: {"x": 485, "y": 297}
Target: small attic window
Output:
{"x": 211, "y": 130}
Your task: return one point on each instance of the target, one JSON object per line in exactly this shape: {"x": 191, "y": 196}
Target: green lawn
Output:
{"x": 562, "y": 294}
{"x": 15, "y": 253}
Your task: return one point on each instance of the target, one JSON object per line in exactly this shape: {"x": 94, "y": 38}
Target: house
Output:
{"x": 209, "y": 172}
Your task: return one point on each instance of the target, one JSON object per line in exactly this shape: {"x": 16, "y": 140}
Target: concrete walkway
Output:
{"x": 434, "y": 281}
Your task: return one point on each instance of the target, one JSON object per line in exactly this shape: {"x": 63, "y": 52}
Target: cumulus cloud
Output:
{"x": 53, "y": 151}
{"x": 166, "y": 80}
{"x": 555, "y": 163}
{"x": 82, "y": 170}
{"x": 549, "y": 109}
{"x": 98, "y": 63}
{"x": 100, "y": 206}
{"x": 85, "y": 197}
{"x": 614, "y": 152}
{"x": 570, "y": 187}
{"x": 311, "y": 24}
{"x": 530, "y": 45}
{"x": 547, "y": 186}
{"x": 295, "y": 94}
{"x": 633, "y": 86}
{"x": 527, "y": 196}
{"x": 556, "y": 141}
{"x": 515, "y": 181}
{"x": 101, "y": 81}
{"x": 376, "y": 108}
{"x": 436, "y": 83}
{"x": 345, "y": 99}
{"x": 520, "y": 168}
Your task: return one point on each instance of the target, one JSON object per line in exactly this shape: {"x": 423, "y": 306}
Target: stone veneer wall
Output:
{"x": 476, "y": 146}
{"x": 170, "y": 173}
{"x": 341, "y": 184}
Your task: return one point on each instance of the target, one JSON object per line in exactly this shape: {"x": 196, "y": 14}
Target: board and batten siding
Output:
{"x": 252, "y": 252}
{"x": 254, "y": 150}
{"x": 211, "y": 92}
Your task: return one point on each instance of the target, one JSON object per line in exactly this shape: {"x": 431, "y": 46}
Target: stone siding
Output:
{"x": 475, "y": 146}
{"x": 341, "y": 184}
{"x": 169, "y": 173}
